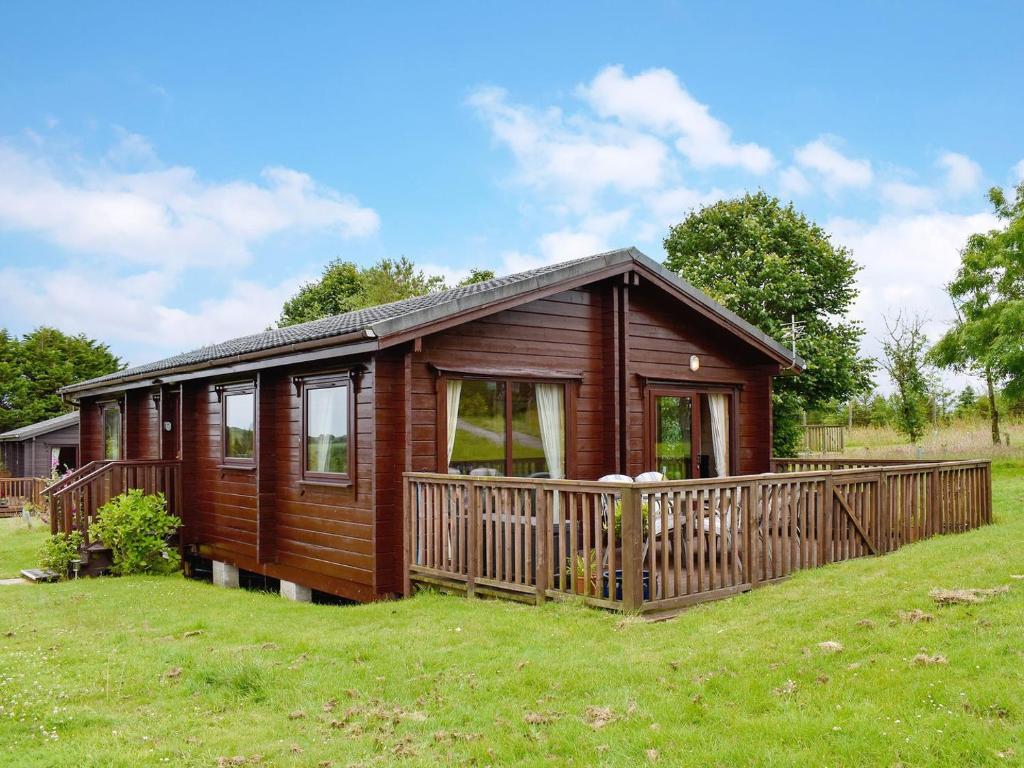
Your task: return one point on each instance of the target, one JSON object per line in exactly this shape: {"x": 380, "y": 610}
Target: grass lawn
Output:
{"x": 19, "y": 545}
{"x": 160, "y": 671}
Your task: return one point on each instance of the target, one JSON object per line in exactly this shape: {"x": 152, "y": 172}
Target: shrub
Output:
{"x": 136, "y": 527}
{"x": 58, "y": 551}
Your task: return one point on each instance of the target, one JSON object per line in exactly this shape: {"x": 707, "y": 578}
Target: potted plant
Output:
{"x": 578, "y": 565}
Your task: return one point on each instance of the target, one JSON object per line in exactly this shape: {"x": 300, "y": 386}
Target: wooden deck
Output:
{"x": 15, "y": 492}
{"x": 657, "y": 547}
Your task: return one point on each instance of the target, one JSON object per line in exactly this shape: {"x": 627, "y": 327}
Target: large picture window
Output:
{"x": 239, "y": 422}
{"x": 112, "y": 432}
{"x": 506, "y": 427}
{"x": 327, "y": 448}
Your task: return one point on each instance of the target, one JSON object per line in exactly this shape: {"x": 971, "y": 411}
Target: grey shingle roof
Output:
{"x": 389, "y": 319}
{"x": 41, "y": 427}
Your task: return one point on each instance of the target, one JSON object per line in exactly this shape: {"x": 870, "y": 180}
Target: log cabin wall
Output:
{"x": 316, "y": 534}
{"x": 90, "y": 431}
{"x": 142, "y": 425}
{"x": 662, "y": 336}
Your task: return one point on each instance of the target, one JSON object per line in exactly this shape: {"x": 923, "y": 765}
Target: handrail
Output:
{"x": 110, "y": 466}
{"x": 72, "y": 476}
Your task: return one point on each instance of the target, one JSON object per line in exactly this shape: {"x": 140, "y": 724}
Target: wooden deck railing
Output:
{"x": 18, "y": 491}
{"x": 661, "y": 546}
{"x": 74, "y": 500}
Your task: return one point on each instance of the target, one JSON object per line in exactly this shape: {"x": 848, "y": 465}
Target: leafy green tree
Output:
{"x": 477, "y": 276}
{"x": 767, "y": 263}
{"x": 344, "y": 287}
{"x": 988, "y": 295}
{"x": 35, "y": 366}
{"x": 904, "y": 351}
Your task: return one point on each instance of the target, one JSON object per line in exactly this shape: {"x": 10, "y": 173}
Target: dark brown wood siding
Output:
{"x": 142, "y": 428}
{"x": 662, "y": 336}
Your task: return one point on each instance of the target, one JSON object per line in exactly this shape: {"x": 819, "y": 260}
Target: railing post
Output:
{"x": 540, "y": 532}
{"x": 884, "y": 514}
{"x": 934, "y": 503}
{"x": 406, "y": 536}
{"x": 828, "y": 509}
{"x": 632, "y": 551}
{"x": 752, "y": 540}
{"x": 474, "y": 524}
{"x": 51, "y": 505}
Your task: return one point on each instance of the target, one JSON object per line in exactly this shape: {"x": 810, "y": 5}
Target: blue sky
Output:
{"x": 168, "y": 175}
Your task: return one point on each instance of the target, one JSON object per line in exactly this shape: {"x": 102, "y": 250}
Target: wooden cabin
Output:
{"x": 37, "y": 449}
{"x": 285, "y": 450}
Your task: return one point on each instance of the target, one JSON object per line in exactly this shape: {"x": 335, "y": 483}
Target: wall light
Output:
{"x": 694, "y": 363}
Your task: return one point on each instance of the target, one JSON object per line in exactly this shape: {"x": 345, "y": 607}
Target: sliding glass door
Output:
{"x": 688, "y": 433}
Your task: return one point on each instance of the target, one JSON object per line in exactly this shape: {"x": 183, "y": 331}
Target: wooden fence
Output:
{"x": 74, "y": 500}
{"x": 824, "y": 438}
{"x": 15, "y": 492}
{"x": 662, "y": 546}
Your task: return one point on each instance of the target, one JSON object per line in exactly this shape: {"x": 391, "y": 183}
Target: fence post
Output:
{"x": 934, "y": 503}
{"x": 540, "y": 532}
{"x": 632, "y": 551}
{"x": 474, "y": 523}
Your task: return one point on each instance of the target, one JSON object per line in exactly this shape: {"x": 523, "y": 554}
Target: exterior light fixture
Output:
{"x": 694, "y": 363}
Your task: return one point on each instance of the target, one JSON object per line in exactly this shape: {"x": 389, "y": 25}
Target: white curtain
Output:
{"x": 323, "y": 416}
{"x": 551, "y": 414}
{"x": 718, "y": 406}
{"x": 454, "y": 395}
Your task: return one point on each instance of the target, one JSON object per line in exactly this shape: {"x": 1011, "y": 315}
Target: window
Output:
{"x": 239, "y": 420}
{"x": 506, "y": 427}
{"x": 112, "y": 432}
{"x": 327, "y": 449}
{"x": 689, "y": 433}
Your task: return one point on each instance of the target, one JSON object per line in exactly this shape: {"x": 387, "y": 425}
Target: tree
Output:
{"x": 988, "y": 297}
{"x": 767, "y": 263}
{"x": 344, "y": 287}
{"x": 35, "y": 366}
{"x": 477, "y": 276}
{"x": 904, "y": 348}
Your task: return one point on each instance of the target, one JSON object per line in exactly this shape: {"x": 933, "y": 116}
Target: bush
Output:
{"x": 136, "y": 528}
{"x": 58, "y": 551}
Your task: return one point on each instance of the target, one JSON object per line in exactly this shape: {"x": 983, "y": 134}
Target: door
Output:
{"x": 689, "y": 432}
{"x": 673, "y": 425}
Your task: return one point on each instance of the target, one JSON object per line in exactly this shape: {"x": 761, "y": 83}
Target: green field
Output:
{"x": 161, "y": 671}
{"x": 19, "y": 545}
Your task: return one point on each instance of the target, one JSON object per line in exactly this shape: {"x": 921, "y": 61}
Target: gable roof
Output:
{"x": 41, "y": 427}
{"x": 399, "y": 317}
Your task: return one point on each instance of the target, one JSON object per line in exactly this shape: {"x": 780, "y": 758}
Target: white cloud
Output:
{"x": 166, "y": 214}
{"x": 1018, "y": 171}
{"x": 136, "y": 313}
{"x": 963, "y": 175}
{"x": 836, "y": 169}
{"x": 655, "y": 100}
{"x": 793, "y": 182}
{"x": 907, "y": 261}
{"x": 573, "y": 156}
{"x": 905, "y": 195}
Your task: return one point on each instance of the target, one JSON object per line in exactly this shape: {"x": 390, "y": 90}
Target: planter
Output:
{"x": 618, "y": 585}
